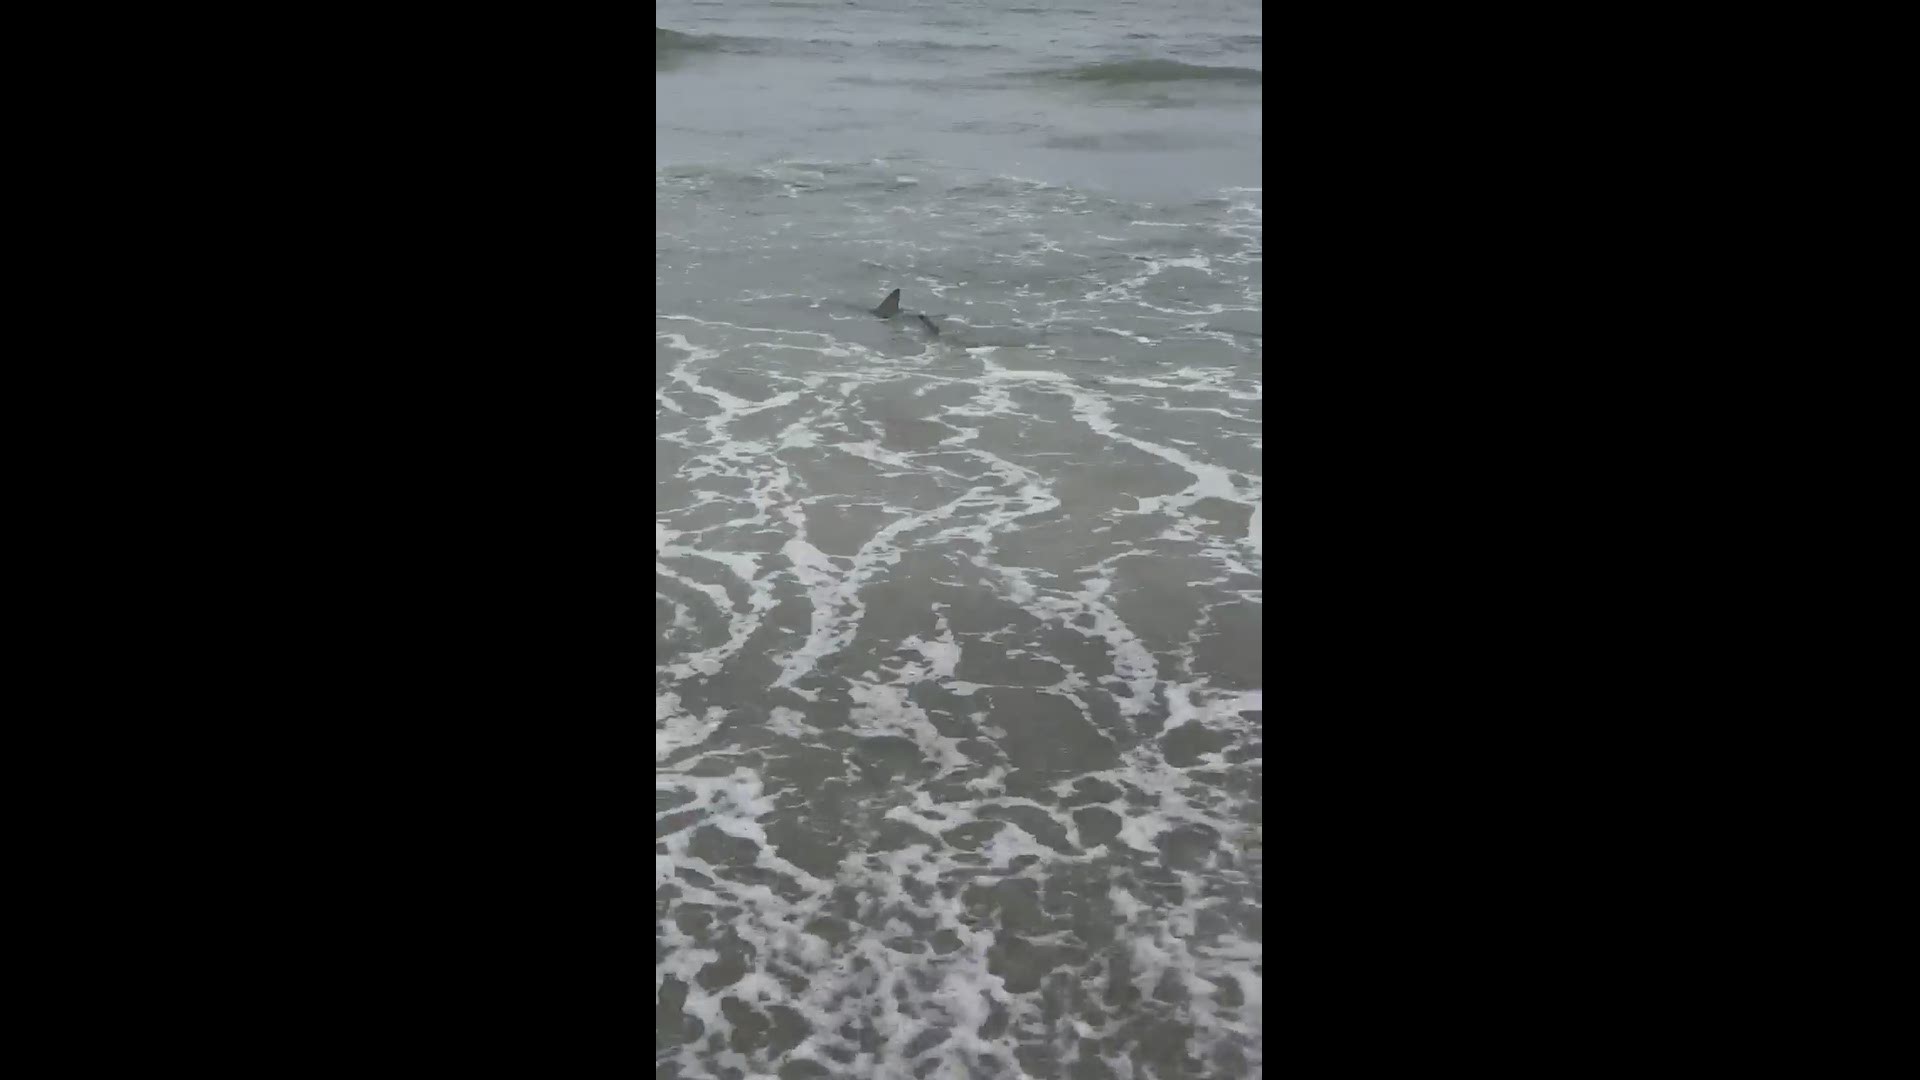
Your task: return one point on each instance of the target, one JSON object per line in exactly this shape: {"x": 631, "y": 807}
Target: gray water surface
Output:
{"x": 957, "y": 623}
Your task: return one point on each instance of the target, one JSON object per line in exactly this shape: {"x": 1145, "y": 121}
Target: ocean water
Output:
{"x": 957, "y": 620}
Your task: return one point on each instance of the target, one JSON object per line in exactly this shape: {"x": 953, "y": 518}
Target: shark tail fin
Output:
{"x": 890, "y": 306}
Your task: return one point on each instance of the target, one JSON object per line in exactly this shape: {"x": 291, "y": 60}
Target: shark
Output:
{"x": 957, "y": 332}
{"x": 890, "y": 309}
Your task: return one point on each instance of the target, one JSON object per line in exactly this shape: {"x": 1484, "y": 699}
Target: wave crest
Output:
{"x": 1152, "y": 71}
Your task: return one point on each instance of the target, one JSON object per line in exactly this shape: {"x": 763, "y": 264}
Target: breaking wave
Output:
{"x": 672, "y": 42}
{"x": 1155, "y": 71}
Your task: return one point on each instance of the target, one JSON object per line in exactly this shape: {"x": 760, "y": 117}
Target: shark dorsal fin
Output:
{"x": 890, "y": 306}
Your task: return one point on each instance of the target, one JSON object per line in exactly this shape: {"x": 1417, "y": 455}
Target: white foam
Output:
{"x": 780, "y": 432}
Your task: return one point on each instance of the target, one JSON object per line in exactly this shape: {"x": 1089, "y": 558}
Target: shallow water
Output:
{"x": 957, "y": 623}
